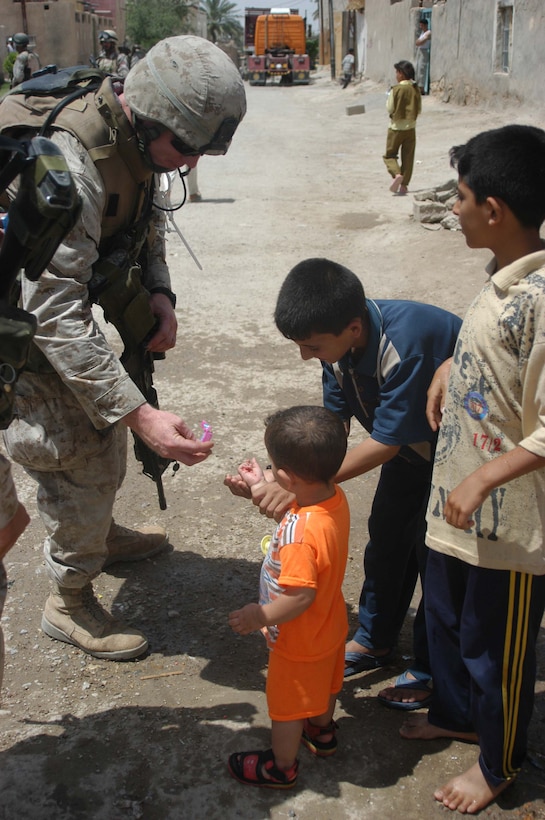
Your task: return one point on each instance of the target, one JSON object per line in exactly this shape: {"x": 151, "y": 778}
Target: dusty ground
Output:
{"x": 84, "y": 738}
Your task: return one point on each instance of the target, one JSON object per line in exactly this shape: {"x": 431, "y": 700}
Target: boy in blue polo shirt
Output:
{"x": 378, "y": 359}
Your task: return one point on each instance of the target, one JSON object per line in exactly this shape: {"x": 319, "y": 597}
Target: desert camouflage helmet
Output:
{"x": 21, "y": 39}
{"x": 192, "y": 88}
{"x": 108, "y": 35}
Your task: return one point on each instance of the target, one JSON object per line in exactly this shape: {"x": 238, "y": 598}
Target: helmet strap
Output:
{"x": 145, "y": 134}
{"x": 181, "y": 174}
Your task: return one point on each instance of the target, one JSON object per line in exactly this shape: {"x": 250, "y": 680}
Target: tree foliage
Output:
{"x": 149, "y": 21}
{"x": 222, "y": 23}
{"x": 8, "y": 64}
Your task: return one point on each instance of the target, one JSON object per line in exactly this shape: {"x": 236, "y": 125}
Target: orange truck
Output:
{"x": 279, "y": 49}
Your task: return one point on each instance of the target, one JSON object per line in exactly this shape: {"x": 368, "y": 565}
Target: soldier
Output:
{"x": 137, "y": 52}
{"x": 182, "y": 100}
{"x": 25, "y": 249}
{"x": 26, "y": 61}
{"x": 110, "y": 60}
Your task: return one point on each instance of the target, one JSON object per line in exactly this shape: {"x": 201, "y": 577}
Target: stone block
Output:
{"x": 429, "y": 211}
{"x": 355, "y": 109}
{"x": 451, "y": 223}
{"x": 451, "y": 185}
{"x": 430, "y": 194}
{"x": 448, "y": 193}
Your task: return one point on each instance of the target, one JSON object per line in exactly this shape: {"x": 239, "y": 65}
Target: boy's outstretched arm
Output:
{"x": 272, "y": 500}
{"x": 364, "y": 457}
{"x": 286, "y": 607}
{"x": 13, "y": 529}
{"x": 437, "y": 392}
{"x": 473, "y": 490}
{"x": 13, "y": 516}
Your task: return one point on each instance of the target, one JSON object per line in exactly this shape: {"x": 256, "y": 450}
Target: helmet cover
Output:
{"x": 21, "y": 39}
{"x": 108, "y": 35}
{"x": 192, "y": 88}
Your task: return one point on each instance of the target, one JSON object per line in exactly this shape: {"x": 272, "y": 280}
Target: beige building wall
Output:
{"x": 474, "y": 56}
{"x": 60, "y": 33}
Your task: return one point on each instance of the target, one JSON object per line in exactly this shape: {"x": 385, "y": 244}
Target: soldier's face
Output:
{"x": 164, "y": 155}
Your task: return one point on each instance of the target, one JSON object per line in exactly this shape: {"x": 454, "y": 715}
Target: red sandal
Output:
{"x": 311, "y": 738}
{"x": 260, "y": 769}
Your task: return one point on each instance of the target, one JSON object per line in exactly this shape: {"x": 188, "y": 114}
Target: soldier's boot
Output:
{"x": 75, "y": 616}
{"x": 134, "y": 545}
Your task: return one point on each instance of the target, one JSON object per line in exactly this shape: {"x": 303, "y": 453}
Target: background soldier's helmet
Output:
{"x": 107, "y": 36}
{"x": 20, "y": 39}
{"x": 190, "y": 87}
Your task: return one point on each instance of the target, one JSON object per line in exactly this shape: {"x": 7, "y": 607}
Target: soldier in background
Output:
{"x": 110, "y": 60}
{"x": 137, "y": 52}
{"x": 26, "y": 62}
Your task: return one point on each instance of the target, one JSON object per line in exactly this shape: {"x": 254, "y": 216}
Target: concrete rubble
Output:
{"x": 434, "y": 206}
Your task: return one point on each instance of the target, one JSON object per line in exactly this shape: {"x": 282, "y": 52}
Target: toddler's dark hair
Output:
{"x": 507, "y": 163}
{"x": 307, "y": 440}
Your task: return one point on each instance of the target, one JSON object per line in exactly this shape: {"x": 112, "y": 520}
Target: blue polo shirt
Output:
{"x": 386, "y": 389}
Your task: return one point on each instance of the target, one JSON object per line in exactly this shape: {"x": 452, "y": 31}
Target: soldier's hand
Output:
{"x": 168, "y": 435}
{"x": 165, "y": 337}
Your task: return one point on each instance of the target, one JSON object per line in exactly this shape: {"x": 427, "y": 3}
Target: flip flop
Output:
{"x": 422, "y": 684}
{"x": 356, "y": 662}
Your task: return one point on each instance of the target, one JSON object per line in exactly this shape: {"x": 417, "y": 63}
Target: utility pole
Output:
{"x": 23, "y": 14}
{"x": 331, "y": 39}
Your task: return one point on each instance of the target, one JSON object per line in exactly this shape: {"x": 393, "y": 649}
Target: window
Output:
{"x": 504, "y": 36}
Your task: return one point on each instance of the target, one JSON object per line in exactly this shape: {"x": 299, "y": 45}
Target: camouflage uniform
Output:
{"x": 25, "y": 63}
{"x": 68, "y": 431}
{"x": 65, "y": 432}
{"x": 8, "y": 508}
{"x": 115, "y": 63}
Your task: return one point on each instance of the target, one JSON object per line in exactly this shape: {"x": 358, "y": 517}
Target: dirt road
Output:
{"x": 84, "y": 738}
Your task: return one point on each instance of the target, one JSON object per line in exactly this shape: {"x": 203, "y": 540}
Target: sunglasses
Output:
{"x": 218, "y": 144}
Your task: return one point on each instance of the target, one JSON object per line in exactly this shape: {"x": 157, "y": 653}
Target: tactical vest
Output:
{"x": 97, "y": 120}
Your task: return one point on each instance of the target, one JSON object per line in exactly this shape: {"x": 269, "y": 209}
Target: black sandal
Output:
{"x": 311, "y": 738}
{"x": 260, "y": 769}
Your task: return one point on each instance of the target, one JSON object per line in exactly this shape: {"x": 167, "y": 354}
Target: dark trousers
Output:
{"x": 394, "y": 557}
{"x": 482, "y": 630}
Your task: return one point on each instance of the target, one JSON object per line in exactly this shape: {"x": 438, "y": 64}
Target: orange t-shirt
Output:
{"x": 309, "y": 549}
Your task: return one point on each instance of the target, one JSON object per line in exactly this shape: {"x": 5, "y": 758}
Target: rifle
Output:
{"x": 116, "y": 285}
{"x": 45, "y": 209}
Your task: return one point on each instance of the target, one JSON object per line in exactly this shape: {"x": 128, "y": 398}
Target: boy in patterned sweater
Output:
{"x": 485, "y": 581}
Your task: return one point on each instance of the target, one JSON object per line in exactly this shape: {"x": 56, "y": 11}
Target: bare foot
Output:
{"x": 418, "y": 727}
{"x": 406, "y": 693}
{"x": 353, "y": 646}
{"x": 469, "y": 792}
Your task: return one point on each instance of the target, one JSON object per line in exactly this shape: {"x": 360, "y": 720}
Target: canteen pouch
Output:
{"x": 17, "y": 329}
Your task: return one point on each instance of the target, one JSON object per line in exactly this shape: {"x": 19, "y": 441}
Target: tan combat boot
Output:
{"x": 75, "y": 616}
{"x": 134, "y": 545}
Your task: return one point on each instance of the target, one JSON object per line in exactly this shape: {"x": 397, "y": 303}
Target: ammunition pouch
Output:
{"x": 17, "y": 329}
{"x": 116, "y": 285}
